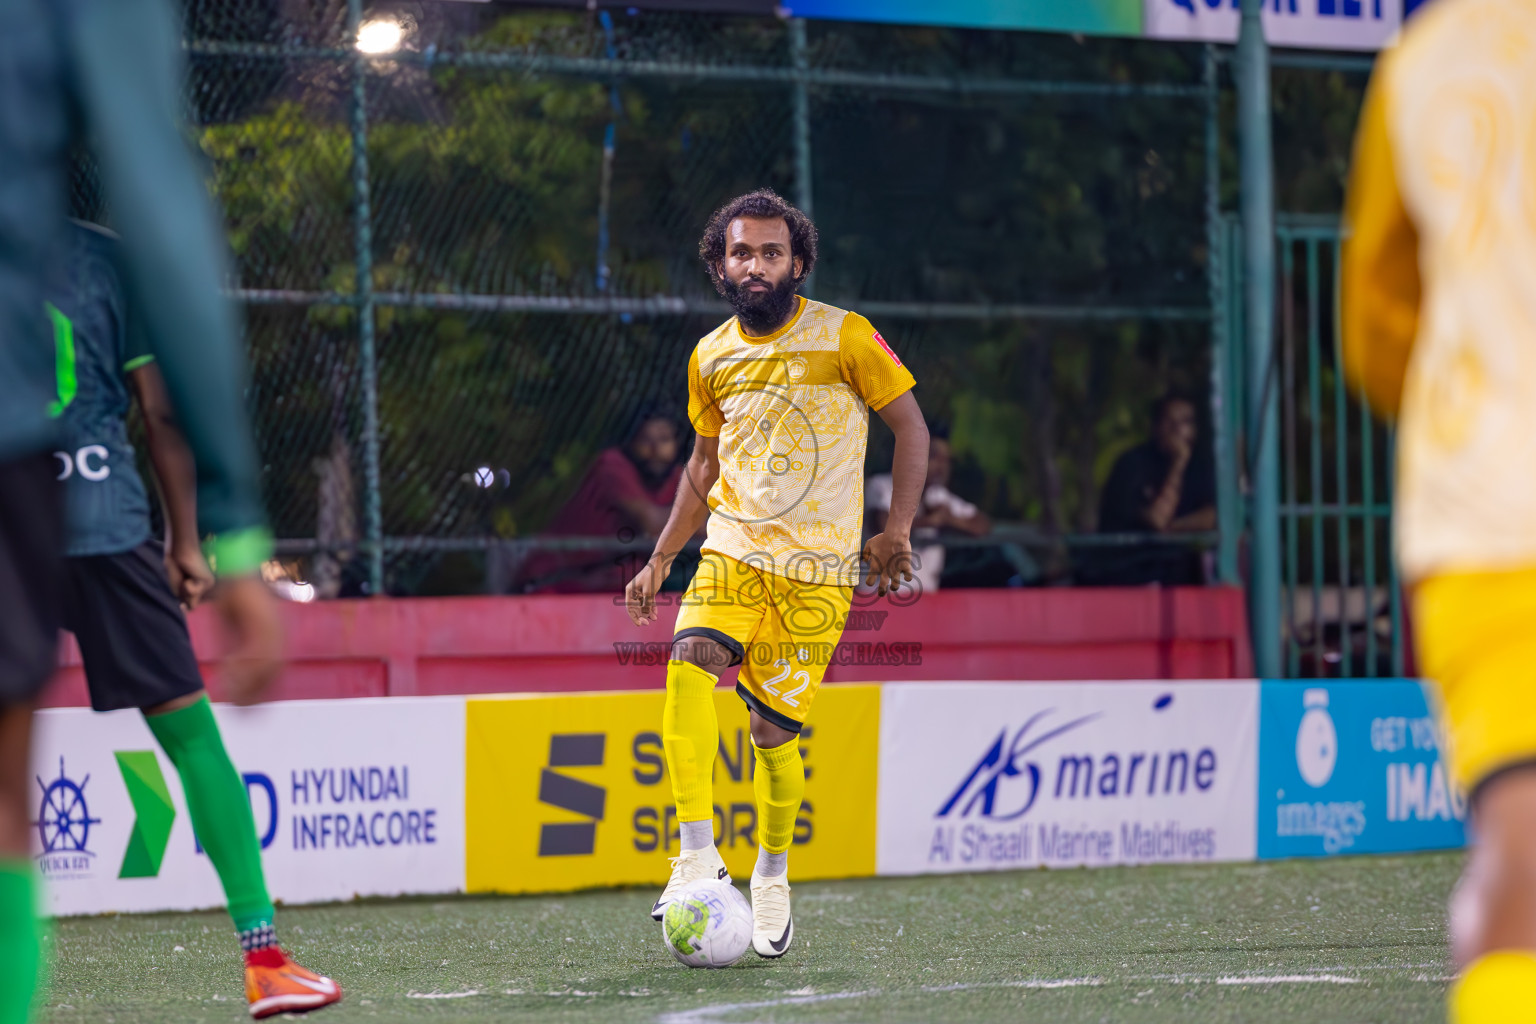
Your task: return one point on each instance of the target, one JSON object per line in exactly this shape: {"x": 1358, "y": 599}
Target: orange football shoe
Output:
{"x": 275, "y": 984}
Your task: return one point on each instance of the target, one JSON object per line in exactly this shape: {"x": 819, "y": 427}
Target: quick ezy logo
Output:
{"x": 64, "y": 827}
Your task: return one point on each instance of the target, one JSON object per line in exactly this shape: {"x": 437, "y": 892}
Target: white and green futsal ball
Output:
{"x": 709, "y": 924}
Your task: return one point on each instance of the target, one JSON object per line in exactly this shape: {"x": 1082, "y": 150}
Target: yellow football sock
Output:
{"x": 1497, "y": 987}
{"x": 690, "y": 734}
{"x": 779, "y": 783}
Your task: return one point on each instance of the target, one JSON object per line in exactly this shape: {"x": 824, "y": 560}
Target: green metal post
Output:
{"x": 367, "y": 353}
{"x": 1315, "y": 453}
{"x": 1232, "y": 323}
{"x": 1258, "y": 189}
{"x": 1341, "y": 471}
{"x": 1229, "y": 516}
{"x": 802, "y": 123}
{"x": 1290, "y": 442}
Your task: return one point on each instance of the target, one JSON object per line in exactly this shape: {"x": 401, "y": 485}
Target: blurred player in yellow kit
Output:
{"x": 780, "y": 397}
{"x": 1439, "y": 317}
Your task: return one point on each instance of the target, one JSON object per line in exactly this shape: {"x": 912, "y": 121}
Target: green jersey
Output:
{"x": 108, "y": 509}
{"x": 114, "y": 68}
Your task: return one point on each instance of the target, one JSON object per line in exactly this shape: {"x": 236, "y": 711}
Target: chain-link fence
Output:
{"x": 467, "y": 261}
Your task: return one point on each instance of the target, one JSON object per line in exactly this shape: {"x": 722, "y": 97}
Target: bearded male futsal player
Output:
{"x": 780, "y": 397}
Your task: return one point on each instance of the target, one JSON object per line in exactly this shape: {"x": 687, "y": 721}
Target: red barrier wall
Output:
{"x": 389, "y": 647}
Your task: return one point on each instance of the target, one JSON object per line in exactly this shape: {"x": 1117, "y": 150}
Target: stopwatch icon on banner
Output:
{"x": 1317, "y": 742}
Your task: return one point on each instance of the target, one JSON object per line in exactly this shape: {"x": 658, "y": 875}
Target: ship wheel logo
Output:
{"x": 63, "y": 819}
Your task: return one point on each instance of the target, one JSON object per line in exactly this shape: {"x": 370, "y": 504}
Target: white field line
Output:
{"x": 1027, "y": 983}
{"x": 707, "y": 1013}
{"x": 713, "y": 1013}
{"x": 1287, "y": 979}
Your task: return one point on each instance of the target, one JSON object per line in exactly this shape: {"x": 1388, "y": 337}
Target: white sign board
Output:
{"x": 991, "y": 776}
{"x": 351, "y": 798}
{"x": 1320, "y": 24}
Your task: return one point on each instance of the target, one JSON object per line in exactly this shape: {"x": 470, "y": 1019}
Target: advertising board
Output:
{"x": 351, "y": 798}
{"x": 572, "y": 792}
{"x": 1353, "y": 766}
{"x": 990, "y": 776}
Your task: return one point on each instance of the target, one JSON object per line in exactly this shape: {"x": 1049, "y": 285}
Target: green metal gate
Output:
{"x": 1340, "y": 606}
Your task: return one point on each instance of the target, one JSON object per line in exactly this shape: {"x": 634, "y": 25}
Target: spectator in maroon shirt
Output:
{"x": 627, "y": 493}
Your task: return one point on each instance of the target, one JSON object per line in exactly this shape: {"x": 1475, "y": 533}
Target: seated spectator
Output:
{"x": 941, "y": 510}
{"x": 1157, "y": 487}
{"x": 627, "y": 493}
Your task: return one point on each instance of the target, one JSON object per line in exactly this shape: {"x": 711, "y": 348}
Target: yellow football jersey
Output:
{"x": 1439, "y": 281}
{"x": 792, "y": 414}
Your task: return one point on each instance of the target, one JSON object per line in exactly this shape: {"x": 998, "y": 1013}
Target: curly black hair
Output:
{"x": 645, "y": 412}
{"x": 764, "y": 203}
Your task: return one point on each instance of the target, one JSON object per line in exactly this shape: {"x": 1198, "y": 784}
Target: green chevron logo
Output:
{"x": 153, "y": 812}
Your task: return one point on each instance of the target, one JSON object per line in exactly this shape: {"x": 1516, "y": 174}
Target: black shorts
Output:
{"x": 31, "y": 560}
{"x": 132, "y": 633}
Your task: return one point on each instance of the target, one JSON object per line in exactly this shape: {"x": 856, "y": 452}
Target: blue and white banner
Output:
{"x": 991, "y": 776}
{"x": 1320, "y": 24}
{"x": 1352, "y": 767}
{"x": 351, "y": 798}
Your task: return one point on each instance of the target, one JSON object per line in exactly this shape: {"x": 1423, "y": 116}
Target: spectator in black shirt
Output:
{"x": 1158, "y": 487}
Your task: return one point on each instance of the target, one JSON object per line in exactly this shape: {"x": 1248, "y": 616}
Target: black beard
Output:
{"x": 762, "y": 312}
{"x": 651, "y": 480}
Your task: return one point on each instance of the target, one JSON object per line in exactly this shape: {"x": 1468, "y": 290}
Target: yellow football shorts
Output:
{"x": 780, "y": 631}
{"x": 1476, "y": 635}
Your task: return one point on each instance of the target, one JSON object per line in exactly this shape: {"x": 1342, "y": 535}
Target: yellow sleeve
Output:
{"x": 1379, "y": 271}
{"x": 703, "y": 411}
{"x": 868, "y": 364}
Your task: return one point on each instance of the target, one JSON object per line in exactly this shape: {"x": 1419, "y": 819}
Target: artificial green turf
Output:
{"x": 1152, "y": 944}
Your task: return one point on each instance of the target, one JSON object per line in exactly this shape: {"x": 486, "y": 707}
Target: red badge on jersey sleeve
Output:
{"x": 894, "y": 358}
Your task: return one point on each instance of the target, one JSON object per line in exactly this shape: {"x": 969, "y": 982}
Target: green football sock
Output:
{"x": 221, "y": 815}
{"x": 20, "y": 938}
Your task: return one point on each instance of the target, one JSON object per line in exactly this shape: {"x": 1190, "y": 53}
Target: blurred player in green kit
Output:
{"x": 109, "y": 71}
{"x": 121, "y": 589}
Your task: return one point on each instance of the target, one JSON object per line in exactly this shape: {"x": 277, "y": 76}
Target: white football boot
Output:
{"x": 687, "y": 867}
{"x": 773, "y": 928}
